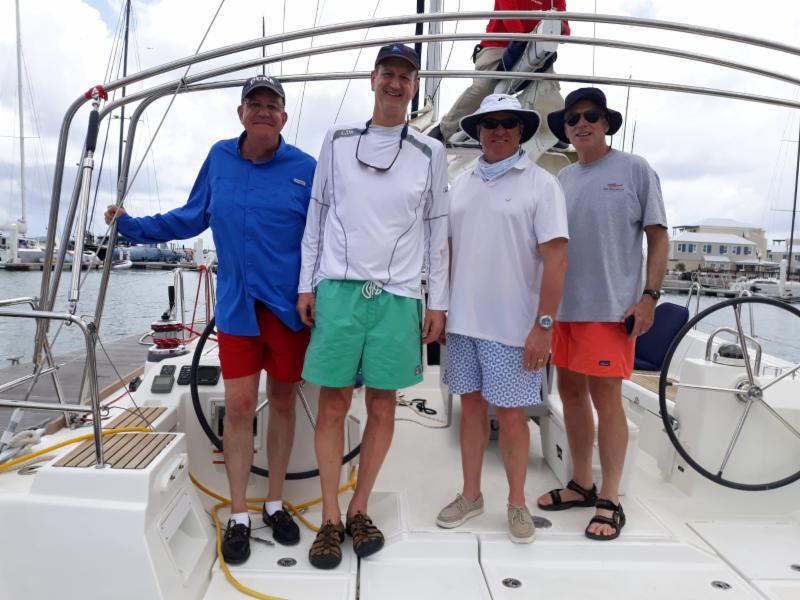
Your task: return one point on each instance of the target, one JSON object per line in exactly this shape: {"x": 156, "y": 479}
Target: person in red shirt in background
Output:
{"x": 487, "y": 57}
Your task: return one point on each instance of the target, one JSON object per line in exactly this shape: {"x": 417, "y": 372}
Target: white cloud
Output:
{"x": 715, "y": 156}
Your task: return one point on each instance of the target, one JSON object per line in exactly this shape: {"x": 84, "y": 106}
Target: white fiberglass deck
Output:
{"x": 666, "y": 551}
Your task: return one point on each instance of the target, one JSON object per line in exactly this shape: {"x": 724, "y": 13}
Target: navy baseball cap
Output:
{"x": 262, "y": 81}
{"x": 407, "y": 53}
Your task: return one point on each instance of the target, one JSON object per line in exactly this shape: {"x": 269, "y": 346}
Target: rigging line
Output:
{"x": 37, "y": 126}
{"x": 135, "y": 36}
{"x": 317, "y": 15}
{"x": 118, "y": 61}
{"x": 115, "y": 42}
{"x": 113, "y": 57}
{"x": 355, "y": 64}
{"x": 124, "y": 385}
{"x": 773, "y": 191}
{"x": 153, "y": 138}
{"x": 166, "y": 112}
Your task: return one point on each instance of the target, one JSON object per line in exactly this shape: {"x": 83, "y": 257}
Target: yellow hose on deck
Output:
{"x": 223, "y": 501}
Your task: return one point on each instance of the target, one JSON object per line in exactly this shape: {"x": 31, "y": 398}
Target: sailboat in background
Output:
{"x": 14, "y": 247}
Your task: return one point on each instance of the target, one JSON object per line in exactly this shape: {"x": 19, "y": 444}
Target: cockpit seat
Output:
{"x": 651, "y": 348}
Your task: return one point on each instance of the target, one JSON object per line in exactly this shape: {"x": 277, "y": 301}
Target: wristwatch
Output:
{"x": 545, "y": 321}
{"x": 654, "y": 294}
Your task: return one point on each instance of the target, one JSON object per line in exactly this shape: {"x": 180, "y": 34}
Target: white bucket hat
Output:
{"x": 502, "y": 103}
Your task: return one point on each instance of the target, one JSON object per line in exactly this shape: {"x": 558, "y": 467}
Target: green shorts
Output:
{"x": 359, "y": 327}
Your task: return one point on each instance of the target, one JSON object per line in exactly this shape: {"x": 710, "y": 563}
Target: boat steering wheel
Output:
{"x": 749, "y": 392}
{"x": 211, "y": 434}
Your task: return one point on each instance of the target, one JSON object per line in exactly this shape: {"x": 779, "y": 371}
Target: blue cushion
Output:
{"x": 651, "y": 348}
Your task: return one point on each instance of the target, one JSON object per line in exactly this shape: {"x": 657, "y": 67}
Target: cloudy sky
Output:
{"x": 716, "y": 157}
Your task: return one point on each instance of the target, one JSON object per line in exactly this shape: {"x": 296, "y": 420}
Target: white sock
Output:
{"x": 241, "y": 518}
{"x": 273, "y": 506}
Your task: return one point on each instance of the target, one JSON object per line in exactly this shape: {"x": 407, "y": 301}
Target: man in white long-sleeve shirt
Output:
{"x": 378, "y": 215}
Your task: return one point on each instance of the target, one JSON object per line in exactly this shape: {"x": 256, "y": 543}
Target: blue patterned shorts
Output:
{"x": 492, "y": 368}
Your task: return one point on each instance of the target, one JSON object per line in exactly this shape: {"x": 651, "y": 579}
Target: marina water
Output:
{"x": 136, "y": 298}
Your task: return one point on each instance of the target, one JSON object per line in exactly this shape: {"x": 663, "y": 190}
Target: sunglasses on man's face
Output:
{"x": 490, "y": 123}
{"x": 591, "y": 116}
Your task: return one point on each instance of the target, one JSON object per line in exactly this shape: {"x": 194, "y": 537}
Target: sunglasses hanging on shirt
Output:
{"x": 381, "y": 168}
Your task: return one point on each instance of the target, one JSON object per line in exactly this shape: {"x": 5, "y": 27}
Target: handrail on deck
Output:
{"x": 90, "y": 370}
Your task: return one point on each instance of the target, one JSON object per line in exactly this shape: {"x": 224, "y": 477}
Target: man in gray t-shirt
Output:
{"x": 613, "y": 202}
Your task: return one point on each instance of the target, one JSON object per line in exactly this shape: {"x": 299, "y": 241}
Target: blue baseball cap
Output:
{"x": 407, "y": 53}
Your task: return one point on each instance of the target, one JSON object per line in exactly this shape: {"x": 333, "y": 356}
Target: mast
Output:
{"x": 418, "y": 48}
{"x": 124, "y": 74}
{"x": 21, "y": 123}
{"x": 794, "y": 205}
{"x": 434, "y": 62}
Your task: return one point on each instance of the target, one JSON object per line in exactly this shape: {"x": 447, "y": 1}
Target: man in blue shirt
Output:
{"x": 253, "y": 192}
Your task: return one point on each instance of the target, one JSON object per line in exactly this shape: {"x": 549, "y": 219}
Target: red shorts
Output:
{"x": 277, "y": 349}
{"x": 594, "y": 349}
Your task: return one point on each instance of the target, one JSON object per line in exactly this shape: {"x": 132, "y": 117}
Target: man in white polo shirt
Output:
{"x": 378, "y": 213}
{"x": 508, "y": 230}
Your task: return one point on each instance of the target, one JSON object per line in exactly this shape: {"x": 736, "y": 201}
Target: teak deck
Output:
{"x": 649, "y": 381}
{"x": 143, "y": 417}
{"x": 121, "y": 451}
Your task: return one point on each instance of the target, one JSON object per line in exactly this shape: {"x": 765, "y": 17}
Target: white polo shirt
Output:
{"x": 378, "y": 225}
{"x": 496, "y": 228}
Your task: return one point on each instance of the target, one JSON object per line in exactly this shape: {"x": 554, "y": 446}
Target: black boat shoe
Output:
{"x": 236, "y": 543}
{"x": 284, "y": 530}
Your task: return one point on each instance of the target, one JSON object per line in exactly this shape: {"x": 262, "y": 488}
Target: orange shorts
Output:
{"x": 278, "y": 350}
{"x": 594, "y": 349}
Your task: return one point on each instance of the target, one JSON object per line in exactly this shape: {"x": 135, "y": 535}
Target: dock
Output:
{"x": 704, "y": 291}
{"x": 127, "y": 355}
{"x": 157, "y": 266}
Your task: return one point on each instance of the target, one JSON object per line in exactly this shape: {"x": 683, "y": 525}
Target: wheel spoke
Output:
{"x": 780, "y": 418}
{"x": 737, "y": 312}
{"x": 737, "y": 432}
{"x": 781, "y": 376}
{"x": 707, "y": 388}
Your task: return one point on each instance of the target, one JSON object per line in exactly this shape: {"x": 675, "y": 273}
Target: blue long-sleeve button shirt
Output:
{"x": 257, "y": 214}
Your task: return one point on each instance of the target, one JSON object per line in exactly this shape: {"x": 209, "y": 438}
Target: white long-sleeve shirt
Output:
{"x": 379, "y": 226}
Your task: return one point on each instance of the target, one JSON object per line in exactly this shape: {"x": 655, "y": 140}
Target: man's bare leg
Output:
{"x": 329, "y": 443}
{"x": 280, "y": 434}
{"x": 473, "y": 435}
{"x": 612, "y": 438}
{"x": 241, "y": 395}
{"x": 573, "y": 388}
{"x": 375, "y": 443}
{"x": 515, "y": 444}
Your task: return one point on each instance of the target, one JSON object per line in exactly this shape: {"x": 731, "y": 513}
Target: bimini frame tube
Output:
{"x": 47, "y": 298}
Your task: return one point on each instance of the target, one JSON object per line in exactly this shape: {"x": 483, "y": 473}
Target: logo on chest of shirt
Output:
{"x": 299, "y": 182}
{"x": 614, "y": 187}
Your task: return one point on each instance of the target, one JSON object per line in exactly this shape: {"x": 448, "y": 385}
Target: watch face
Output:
{"x": 545, "y": 321}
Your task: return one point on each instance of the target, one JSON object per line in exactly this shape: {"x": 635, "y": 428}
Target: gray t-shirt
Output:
{"x": 609, "y": 203}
